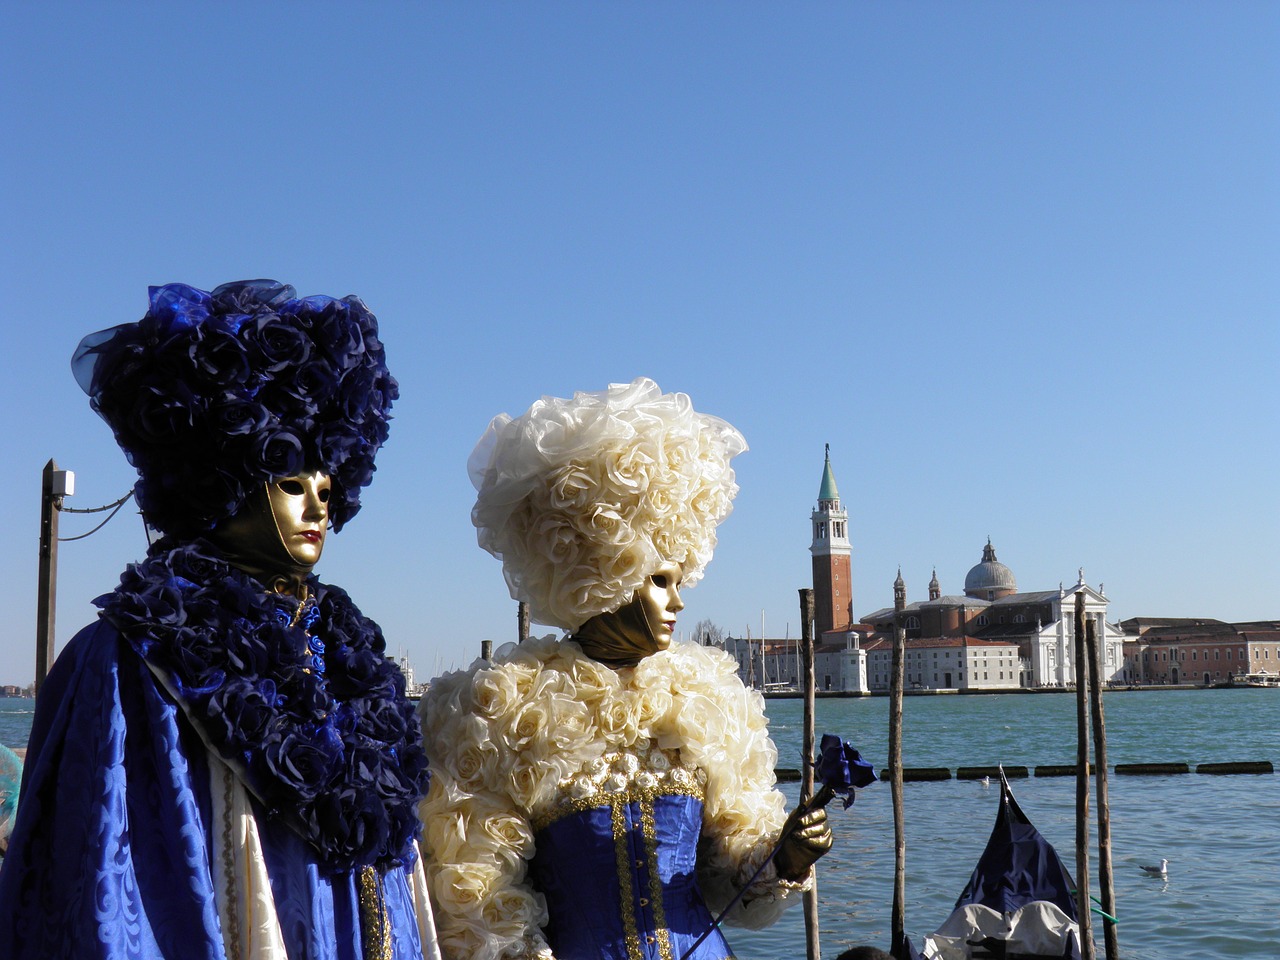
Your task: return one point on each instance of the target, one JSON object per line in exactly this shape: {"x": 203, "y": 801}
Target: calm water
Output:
{"x": 15, "y": 721}
{"x": 1220, "y": 834}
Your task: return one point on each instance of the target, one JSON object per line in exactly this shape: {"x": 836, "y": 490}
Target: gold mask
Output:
{"x": 280, "y": 530}
{"x": 641, "y": 627}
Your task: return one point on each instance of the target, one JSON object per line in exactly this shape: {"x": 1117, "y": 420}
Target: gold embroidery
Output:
{"x": 655, "y": 880}
{"x": 375, "y": 925}
{"x": 567, "y": 806}
{"x": 622, "y": 855}
{"x": 644, "y": 772}
{"x": 229, "y": 863}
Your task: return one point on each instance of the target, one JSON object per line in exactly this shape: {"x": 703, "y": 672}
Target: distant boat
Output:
{"x": 1268, "y": 680}
{"x": 1018, "y": 902}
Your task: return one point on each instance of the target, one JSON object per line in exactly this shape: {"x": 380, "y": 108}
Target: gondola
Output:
{"x": 1019, "y": 904}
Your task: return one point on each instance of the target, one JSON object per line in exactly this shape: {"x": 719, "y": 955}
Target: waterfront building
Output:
{"x": 1202, "y": 651}
{"x": 992, "y": 637}
{"x": 840, "y": 662}
{"x": 947, "y": 663}
{"x": 831, "y": 553}
{"x": 774, "y": 665}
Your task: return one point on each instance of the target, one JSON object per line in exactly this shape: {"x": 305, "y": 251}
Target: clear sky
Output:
{"x": 1016, "y": 263}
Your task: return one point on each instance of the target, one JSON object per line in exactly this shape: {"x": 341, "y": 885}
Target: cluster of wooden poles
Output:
{"x": 1088, "y": 708}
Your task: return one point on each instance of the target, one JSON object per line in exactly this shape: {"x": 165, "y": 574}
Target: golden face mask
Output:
{"x": 644, "y": 626}
{"x": 300, "y": 509}
{"x": 280, "y": 531}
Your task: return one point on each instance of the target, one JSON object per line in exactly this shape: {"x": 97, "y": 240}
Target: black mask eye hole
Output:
{"x": 292, "y": 487}
{"x": 324, "y": 495}
{"x": 659, "y": 580}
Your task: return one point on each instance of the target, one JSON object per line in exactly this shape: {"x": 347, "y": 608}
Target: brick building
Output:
{"x": 1201, "y": 651}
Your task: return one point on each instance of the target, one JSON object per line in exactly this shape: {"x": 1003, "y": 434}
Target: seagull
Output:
{"x": 986, "y": 782}
{"x": 1160, "y": 871}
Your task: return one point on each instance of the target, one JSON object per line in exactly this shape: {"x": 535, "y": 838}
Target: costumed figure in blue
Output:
{"x": 599, "y": 797}
{"x": 225, "y": 766}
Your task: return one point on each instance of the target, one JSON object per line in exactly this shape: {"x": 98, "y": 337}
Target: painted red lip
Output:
{"x": 310, "y": 536}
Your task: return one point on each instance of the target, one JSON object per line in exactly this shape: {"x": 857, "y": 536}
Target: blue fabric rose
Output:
{"x": 336, "y": 753}
{"x": 203, "y": 390}
{"x": 841, "y": 768}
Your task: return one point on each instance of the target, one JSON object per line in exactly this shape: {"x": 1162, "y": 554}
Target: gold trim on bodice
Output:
{"x": 638, "y": 775}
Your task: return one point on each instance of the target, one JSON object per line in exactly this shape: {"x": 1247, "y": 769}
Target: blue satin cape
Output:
{"x": 110, "y": 854}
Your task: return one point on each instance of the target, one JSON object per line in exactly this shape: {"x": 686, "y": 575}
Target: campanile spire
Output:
{"x": 832, "y": 579}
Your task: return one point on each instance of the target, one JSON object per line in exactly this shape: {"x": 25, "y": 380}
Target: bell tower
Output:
{"x": 832, "y": 579}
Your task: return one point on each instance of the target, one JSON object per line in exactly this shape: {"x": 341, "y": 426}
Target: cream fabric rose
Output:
{"x": 583, "y": 498}
{"x": 582, "y": 729}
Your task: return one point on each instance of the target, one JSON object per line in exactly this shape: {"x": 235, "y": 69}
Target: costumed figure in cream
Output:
{"x": 225, "y": 766}
{"x": 603, "y": 796}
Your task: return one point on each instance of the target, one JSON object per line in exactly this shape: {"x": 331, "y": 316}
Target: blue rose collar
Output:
{"x": 299, "y": 698}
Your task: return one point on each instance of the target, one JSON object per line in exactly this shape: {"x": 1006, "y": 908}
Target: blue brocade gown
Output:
{"x": 109, "y": 858}
{"x": 648, "y": 907}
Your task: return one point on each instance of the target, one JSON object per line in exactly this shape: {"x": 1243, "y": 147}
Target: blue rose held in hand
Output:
{"x": 841, "y": 769}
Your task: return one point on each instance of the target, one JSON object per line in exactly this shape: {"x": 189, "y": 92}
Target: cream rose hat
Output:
{"x": 582, "y": 499}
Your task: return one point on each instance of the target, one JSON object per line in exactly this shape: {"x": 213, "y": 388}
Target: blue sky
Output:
{"x": 1016, "y": 263}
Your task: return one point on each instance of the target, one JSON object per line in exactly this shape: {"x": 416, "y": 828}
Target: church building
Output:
{"x": 832, "y": 577}
{"x": 990, "y": 637}
{"x": 839, "y": 662}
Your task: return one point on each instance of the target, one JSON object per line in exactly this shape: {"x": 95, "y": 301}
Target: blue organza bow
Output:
{"x": 841, "y": 768}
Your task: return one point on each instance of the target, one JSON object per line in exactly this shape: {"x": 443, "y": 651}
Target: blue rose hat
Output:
{"x": 211, "y": 394}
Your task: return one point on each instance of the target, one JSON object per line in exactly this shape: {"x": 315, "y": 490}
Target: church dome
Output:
{"x": 990, "y": 578}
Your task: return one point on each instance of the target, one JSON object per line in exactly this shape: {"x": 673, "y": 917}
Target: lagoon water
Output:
{"x": 1221, "y": 834}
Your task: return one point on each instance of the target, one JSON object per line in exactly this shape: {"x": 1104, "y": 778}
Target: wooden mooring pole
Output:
{"x": 47, "y": 577}
{"x": 897, "y": 945}
{"x": 522, "y": 622}
{"x": 1106, "y": 888}
{"x": 1082, "y": 784}
{"x": 813, "y": 949}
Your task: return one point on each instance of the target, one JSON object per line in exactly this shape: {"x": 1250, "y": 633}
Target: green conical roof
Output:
{"x": 828, "y": 489}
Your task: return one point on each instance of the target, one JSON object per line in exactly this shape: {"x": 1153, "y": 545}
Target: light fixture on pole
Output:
{"x": 55, "y": 485}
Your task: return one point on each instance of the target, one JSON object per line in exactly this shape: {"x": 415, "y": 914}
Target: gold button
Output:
{"x": 644, "y": 902}
{"x": 639, "y": 863}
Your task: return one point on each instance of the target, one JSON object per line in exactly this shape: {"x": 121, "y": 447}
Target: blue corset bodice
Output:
{"x": 618, "y": 870}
